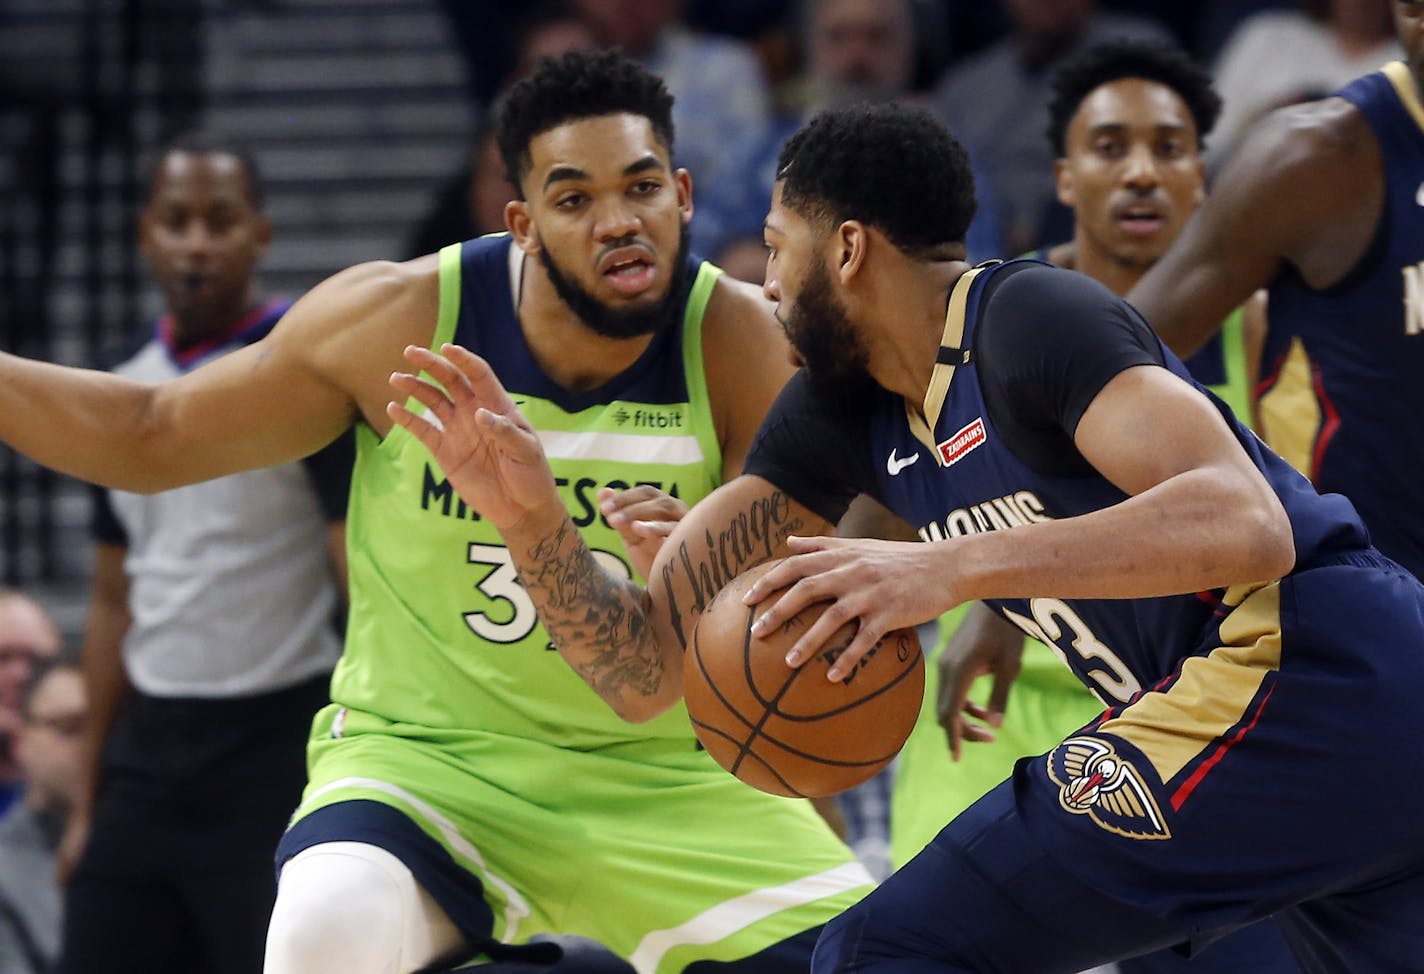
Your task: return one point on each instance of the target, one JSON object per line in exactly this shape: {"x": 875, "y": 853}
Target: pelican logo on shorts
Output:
{"x": 1094, "y": 781}
{"x": 954, "y": 449}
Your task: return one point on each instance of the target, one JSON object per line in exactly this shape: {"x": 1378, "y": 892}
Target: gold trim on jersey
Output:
{"x": 1402, "y": 78}
{"x": 1214, "y": 691}
{"x": 1290, "y": 412}
{"x": 924, "y": 420}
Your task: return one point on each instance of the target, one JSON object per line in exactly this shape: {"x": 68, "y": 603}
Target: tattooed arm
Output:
{"x": 625, "y": 641}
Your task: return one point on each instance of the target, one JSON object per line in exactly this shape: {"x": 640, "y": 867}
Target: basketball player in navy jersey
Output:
{"x": 1324, "y": 204}
{"x": 1263, "y": 661}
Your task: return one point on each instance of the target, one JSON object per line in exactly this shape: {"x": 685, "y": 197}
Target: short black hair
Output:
{"x": 210, "y": 142}
{"x": 888, "y": 165}
{"x": 578, "y": 85}
{"x": 1115, "y": 60}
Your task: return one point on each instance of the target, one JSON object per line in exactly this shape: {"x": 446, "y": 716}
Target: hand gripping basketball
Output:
{"x": 793, "y": 731}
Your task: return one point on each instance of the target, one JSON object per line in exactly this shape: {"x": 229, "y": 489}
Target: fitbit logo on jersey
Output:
{"x": 656, "y": 419}
{"x": 954, "y": 449}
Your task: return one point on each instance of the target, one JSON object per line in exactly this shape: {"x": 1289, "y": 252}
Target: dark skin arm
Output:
{"x": 1305, "y": 190}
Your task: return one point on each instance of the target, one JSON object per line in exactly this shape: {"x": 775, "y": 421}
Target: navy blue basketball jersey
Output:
{"x": 1364, "y": 338}
{"x": 955, "y": 473}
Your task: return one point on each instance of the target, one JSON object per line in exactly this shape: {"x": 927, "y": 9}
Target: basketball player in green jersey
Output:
{"x": 1127, "y": 122}
{"x": 468, "y": 789}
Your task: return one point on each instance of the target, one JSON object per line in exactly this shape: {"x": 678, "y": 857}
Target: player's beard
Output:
{"x": 611, "y": 322}
{"x": 820, "y": 330}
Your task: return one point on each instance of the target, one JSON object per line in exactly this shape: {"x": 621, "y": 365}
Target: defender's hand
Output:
{"x": 643, "y": 516}
{"x": 475, "y": 432}
{"x": 879, "y": 585}
{"x": 983, "y": 643}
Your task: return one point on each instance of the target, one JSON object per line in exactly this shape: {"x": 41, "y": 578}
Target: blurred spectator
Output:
{"x": 49, "y": 751}
{"x": 856, "y": 50}
{"x": 747, "y": 19}
{"x": 210, "y": 639}
{"x": 27, "y": 636}
{"x": 1287, "y": 56}
{"x": 723, "y": 108}
{"x": 996, "y": 102}
{"x": 1217, "y": 20}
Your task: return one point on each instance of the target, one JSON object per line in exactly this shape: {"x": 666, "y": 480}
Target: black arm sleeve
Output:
{"x": 330, "y": 471}
{"x": 104, "y": 524}
{"x": 815, "y": 447}
{"x": 1048, "y": 341}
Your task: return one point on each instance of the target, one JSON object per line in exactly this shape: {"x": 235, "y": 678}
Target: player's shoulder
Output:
{"x": 1030, "y": 303}
{"x": 373, "y": 290}
{"x": 739, "y": 317}
{"x": 1299, "y": 146}
{"x": 1034, "y": 288}
{"x": 360, "y": 314}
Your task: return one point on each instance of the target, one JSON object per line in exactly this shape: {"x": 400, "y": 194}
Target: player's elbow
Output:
{"x": 639, "y": 708}
{"x": 1270, "y": 543}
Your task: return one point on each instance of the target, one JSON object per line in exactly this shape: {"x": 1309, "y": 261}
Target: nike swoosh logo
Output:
{"x": 895, "y": 464}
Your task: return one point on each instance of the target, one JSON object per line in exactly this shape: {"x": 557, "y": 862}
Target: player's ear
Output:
{"x": 852, "y": 242}
{"x": 1063, "y": 182}
{"x": 682, "y": 179}
{"x": 521, "y": 226}
{"x": 1199, "y": 197}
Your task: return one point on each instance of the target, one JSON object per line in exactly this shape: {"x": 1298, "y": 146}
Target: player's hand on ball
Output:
{"x": 878, "y": 585}
{"x": 982, "y": 644}
{"x": 643, "y": 516}
{"x": 485, "y": 446}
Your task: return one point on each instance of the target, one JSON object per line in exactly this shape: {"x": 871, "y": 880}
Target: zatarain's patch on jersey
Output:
{"x": 1094, "y": 781}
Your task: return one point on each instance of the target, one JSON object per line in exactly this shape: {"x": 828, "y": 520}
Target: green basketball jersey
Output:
{"x": 442, "y": 633}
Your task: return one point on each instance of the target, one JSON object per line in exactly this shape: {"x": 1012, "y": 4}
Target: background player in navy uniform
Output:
{"x": 1263, "y": 658}
{"x": 1325, "y": 204}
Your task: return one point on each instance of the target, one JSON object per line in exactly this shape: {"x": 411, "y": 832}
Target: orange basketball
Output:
{"x": 792, "y": 731}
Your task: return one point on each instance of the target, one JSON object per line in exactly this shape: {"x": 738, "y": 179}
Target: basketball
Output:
{"x": 792, "y": 731}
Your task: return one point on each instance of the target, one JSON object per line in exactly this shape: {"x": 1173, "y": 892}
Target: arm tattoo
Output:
{"x": 750, "y": 537}
{"x": 600, "y": 622}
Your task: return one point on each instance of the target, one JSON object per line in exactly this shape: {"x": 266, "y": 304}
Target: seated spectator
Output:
{"x": 48, "y": 748}
{"x": 27, "y": 636}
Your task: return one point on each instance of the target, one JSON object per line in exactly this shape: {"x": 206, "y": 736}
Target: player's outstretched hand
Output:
{"x": 879, "y": 585}
{"x": 643, "y": 516}
{"x": 487, "y": 449}
{"x": 983, "y": 643}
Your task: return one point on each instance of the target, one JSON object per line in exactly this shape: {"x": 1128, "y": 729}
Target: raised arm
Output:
{"x": 1298, "y": 192}
{"x": 274, "y": 401}
{"x": 625, "y": 641}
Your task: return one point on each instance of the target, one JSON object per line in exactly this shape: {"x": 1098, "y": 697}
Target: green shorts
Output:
{"x": 1046, "y": 704}
{"x": 647, "y": 847}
